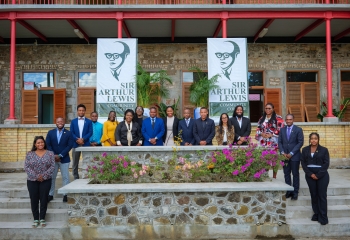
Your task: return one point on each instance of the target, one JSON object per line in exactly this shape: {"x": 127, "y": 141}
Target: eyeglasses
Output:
{"x": 112, "y": 55}
{"x": 219, "y": 55}
{"x": 138, "y": 109}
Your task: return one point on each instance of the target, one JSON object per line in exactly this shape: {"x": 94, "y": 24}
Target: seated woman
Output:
{"x": 315, "y": 162}
{"x": 109, "y": 127}
{"x": 224, "y": 132}
{"x": 128, "y": 133}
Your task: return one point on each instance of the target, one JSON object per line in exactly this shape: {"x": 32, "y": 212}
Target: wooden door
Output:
{"x": 59, "y": 104}
{"x": 311, "y": 101}
{"x": 86, "y": 96}
{"x": 186, "y": 103}
{"x": 295, "y": 101}
{"x": 273, "y": 95}
{"x": 345, "y": 93}
{"x": 30, "y": 106}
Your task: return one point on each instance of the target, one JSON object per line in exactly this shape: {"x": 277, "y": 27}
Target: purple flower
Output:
{"x": 248, "y": 154}
{"x": 101, "y": 170}
{"x": 225, "y": 151}
{"x": 114, "y": 168}
{"x": 101, "y": 163}
{"x": 264, "y": 153}
{"x": 182, "y": 160}
{"x": 230, "y": 158}
{"x": 243, "y": 168}
{"x": 257, "y": 175}
{"x": 121, "y": 157}
{"x": 282, "y": 163}
{"x": 94, "y": 167}
{"x": 104, "y": 154}
{"x": 235, "y": 172}
{"x": 214, "y": 160}
{"x": 125, "y": 164}
{"x": 93, "y": 175}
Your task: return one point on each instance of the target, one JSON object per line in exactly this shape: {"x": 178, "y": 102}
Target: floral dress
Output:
{"x": 269, "y": 126}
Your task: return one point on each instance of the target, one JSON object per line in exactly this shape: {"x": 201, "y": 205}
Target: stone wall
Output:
{"x": 208, "y": 208}
{"x": 67, "y": 60}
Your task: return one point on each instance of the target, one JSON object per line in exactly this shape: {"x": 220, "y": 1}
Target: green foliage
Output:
{"x": 151, "y": 86}
{"x": 162, "y": 108}
{"x": 200, "y": 88}
{"x": 337, "y": 113}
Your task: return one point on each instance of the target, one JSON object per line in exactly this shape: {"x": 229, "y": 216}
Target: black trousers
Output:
{"x": 318, "y": 192}
{"x": 292, "y": 168}
{"x": 39, "y": 191}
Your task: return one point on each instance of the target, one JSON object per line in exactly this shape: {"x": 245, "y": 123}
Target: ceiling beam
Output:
{"x": 32, "y": 29}
{"x": 2, "y": 40}
{"x": 126, "y": 30}
{"x": 342, "y": 34}
{"x": 182, "y": 15}
{"x": 172, "y": 30}
{"x": 265, "y": 25}
{"x": 76, "y": 26}
{"x": 309, "y": 29}
{"x": 218, "y": 29}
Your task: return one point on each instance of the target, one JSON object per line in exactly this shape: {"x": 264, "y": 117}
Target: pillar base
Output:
{"x": 11, "y": 121}
{"x": 331, "y": 119}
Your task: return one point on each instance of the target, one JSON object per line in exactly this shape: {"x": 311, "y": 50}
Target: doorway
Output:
{"x": 45, "y": 113}
{"x": 256, "y": 104}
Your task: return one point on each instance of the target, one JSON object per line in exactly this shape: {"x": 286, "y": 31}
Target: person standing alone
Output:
{"x": 290, "y": 141}
{"x": 81, "y": 129}
{"x": 60, "y": 142}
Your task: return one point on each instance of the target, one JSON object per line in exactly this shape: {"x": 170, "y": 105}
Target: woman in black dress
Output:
{"x": 315, "y": 162}
{"x": 128, "y": 132}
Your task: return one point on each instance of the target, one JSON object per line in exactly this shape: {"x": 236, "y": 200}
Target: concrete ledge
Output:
{"x": 166, "y": 149}
{"x": 83, "y": 186}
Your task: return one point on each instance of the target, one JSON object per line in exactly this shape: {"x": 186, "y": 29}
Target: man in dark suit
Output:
{"x": 241, "y": 125}
{"x": 186, "y": 129}
{"x": 81, "y": 129}
{"x": 60, "y": 141}
{"x": 204, "y": 128}
{"x": 153, "y": 129}
{"x": 290, "y": 141}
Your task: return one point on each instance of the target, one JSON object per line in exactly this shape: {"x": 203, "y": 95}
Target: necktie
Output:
{"x": 187, "y": 122}
{"x": 288, "y": 132}
{"x": 152, "y": 123}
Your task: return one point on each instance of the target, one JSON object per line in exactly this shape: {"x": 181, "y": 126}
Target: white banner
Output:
{"x": 228, "y": 58}
{"x": 116, "y": 72}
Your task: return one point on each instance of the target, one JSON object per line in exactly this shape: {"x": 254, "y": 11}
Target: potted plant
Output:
{"x": 151, "y": 86}
{"x": 200, "y": 88}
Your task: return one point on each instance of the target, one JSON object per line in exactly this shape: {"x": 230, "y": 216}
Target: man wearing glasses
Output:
{"x": 117, "y": 58}
{"x": 228, "y": 58}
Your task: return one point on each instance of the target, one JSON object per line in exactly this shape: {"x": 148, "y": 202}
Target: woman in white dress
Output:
{"x": 171, "y": 124}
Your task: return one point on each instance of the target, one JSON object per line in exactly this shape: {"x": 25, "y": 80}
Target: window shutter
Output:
{"x": 186, "y": 103}
{"x": 87, "y": 97}
{"x": 59, "y": 104}
{"x": 273, "y": 95}
{"x": 311, "y": 101}
{"x": 345, "y": 93}
{"x": 311, "y": 113}
{"x": 294, "y": 100}
{"x": 30, "y": 106}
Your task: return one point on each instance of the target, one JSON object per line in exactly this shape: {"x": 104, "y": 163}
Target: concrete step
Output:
{"x": 58, "y": 230}
{"x": 337, "y": 211}
{"x": 332, "y": 200}
{"x": 57, "y": 203}
{"x": 21, "y": 215}
{"x": 337, "y": 227}
{"x": 330, "y": 191}
{"x": 20, "y": 193}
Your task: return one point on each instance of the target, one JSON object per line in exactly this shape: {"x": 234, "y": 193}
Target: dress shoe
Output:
{"x": 50, "y": 198}
{"x": 314, "y": 217}
{"x": 295, "y": 197}
{"x": 288, "y": 194}
{"x": 65, "y": 198}
{"x": 323, "y": 223}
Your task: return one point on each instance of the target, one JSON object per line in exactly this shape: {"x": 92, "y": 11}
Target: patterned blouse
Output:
{"x": 220, "y": 136}
{"x": 35, "y": 165}
{"x": 269, "y": 126}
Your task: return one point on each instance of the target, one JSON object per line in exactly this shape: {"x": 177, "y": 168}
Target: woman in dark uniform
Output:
{"x": 128, "y": 132}
{"x": 315, "y": 162}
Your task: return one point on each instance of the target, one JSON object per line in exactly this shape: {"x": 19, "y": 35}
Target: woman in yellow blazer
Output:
{"x": 109, "y": 126}
{"x": 224, "y": 132}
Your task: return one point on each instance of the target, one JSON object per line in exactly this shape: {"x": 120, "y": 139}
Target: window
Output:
{"x": 87, "y": 79}
{"x": 301, "y": 76}
{"x": 345, "y": 76}
{"x": 38, "y": 80}
{"x": 303, "y": 96}
{"x": 255, "y": 79}
{"x": 345, "y": 91}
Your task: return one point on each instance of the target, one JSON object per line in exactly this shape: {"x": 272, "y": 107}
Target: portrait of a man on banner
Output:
{"x": 227, "y": 57}
{"x": 116, "y": 57}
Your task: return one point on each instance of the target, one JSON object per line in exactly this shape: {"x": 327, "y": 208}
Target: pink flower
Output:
{"x": 135, "y": 175}
{"x": 133, "y": 163}
{"x": 140, "y": 173}
{"x": 101, "y": 170}
{"x": 114, "y": 168}
{"x": 104, "y": 154}
{"x": 213, "y": 160}
{"x": 257, "y": 175}
{"x": 125, "y": 164}
{"x": 282, "y": 163}
{"x": 144, "y": 167}
{"x": 133, "y": 170}
{"x": 101, "y": 163}
{"x": 248, "y": 154}
{"x": 235, "y": 172}
{"x": 182, "y": 160}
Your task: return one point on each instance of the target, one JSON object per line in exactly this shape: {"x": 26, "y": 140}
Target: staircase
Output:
{"x": 16, "y": 216}
{"x": 299, "y": 212}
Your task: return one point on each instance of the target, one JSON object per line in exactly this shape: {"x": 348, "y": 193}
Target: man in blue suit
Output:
{"x": 81, "y": 129}
{"x": 186, "y": 129}
{"x": 60, "y": 141}
{"x": 290, "y": 141}
{"x": 153, "y": 129}
{"x": 204, "y": 128}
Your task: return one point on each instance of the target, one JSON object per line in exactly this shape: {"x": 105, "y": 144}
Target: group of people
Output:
{"x": 46, "y": 157}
